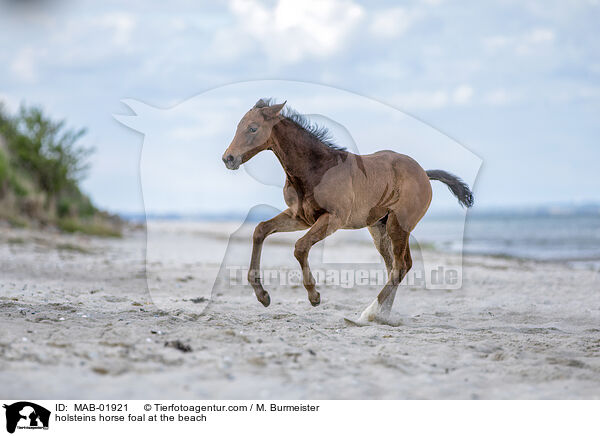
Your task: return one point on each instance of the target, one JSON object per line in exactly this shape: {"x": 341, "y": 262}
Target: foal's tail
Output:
{"x": 459, "y": 188}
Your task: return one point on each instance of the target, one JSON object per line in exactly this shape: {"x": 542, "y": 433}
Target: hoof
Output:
{"x": 370, "y": 313}
{"x": 357, "y": 323}
{"x": 315, "y": 301}
{"x": 265, "y": 299}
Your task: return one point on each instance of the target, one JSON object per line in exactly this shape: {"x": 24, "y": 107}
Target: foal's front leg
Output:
{"x": 284, "y": 222}
{"x": 323, "y": 227}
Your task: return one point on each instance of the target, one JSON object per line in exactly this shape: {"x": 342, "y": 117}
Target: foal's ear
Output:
{"x": 273, "y": 111}
{"x": 260, "y": 104}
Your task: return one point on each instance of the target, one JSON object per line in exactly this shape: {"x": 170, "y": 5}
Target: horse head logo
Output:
{"x": 182, "y": 170}
{"x": 26, "y": 414}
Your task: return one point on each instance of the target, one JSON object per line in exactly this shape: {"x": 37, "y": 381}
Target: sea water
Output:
{"x": 574, "y": 238}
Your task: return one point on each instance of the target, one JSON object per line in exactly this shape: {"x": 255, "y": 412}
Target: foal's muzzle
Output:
{"x": 231, "y": 162}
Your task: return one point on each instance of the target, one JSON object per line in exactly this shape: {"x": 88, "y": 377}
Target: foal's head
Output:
{"x": 253, "y": 134}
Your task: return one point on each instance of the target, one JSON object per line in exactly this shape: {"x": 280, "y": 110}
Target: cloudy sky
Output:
{"x": 515, "y": 82}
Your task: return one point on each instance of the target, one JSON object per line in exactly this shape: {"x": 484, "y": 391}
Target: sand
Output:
{"x": 77, "y": 320}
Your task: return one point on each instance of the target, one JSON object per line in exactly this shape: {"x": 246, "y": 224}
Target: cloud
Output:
{"x": 390, "y": 23}
{"x": 121, "y": 24}
{"x": 500, "y": 97}
{"x": 522, "y": 44}
{"x": 438, "y": 99}
{"x": 23, "y": 65}
{"x": 10, "y": 102}
{"x": 532, "y": 41}
{"x": 496, "y": 42}
{"x": 422, "y": 100}
{"x": 94, "y": 31}
{"x": 462, "y": 94}
{"x": 291, "y": 31}
{"x": 588, "y": 92}
{"x": 537, "y": 36}
{"x": 76, "y": 42}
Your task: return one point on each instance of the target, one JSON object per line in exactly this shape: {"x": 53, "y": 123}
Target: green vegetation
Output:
{"x": 41, "y": 165}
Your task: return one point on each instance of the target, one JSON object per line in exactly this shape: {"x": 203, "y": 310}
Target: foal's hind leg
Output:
{"x": 386, "y": 305}
{"x": 401, "y": 263}
{"x": 284, "y": 222}
{"x": 323, "y": 227}
{"x": 383, "y": 243}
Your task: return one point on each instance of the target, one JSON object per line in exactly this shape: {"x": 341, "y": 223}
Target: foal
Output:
{"x": 328, "y": 188}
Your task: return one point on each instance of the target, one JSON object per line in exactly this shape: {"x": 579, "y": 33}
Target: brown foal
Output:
{"x": 328, "y": 188}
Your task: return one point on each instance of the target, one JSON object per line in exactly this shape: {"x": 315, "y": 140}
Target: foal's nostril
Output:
{"x": 228, "y": 158}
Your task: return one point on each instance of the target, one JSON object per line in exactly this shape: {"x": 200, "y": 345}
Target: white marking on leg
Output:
{"x": 370, "y": 312}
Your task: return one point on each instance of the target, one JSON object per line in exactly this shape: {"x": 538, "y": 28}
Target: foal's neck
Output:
{"x": 302, "y": 156}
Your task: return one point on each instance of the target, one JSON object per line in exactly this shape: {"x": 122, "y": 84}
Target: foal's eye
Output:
{"x": 252, "y": 129}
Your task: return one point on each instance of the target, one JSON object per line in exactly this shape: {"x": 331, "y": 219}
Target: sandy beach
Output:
{"x": 78, "y": 319}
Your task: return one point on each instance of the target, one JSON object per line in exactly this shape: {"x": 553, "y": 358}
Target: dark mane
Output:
{"x": 321, "y": 133}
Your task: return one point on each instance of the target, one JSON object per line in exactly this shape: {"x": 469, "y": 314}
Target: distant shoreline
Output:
{"x": 587, "y": 210}
{"x": 568, "y": 240}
